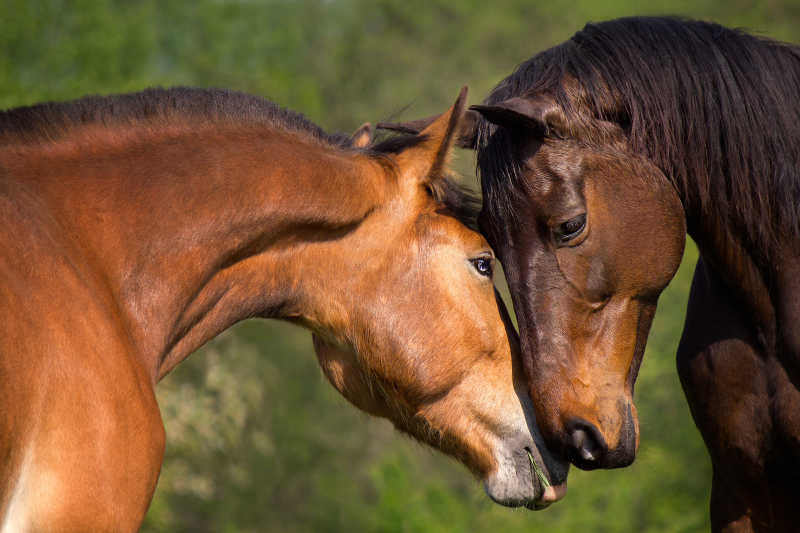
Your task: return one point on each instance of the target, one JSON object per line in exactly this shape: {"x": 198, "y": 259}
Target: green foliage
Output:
{"x": 257, "y": 440}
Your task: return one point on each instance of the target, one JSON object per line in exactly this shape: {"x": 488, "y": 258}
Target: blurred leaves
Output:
{"x": 257, "y": 440}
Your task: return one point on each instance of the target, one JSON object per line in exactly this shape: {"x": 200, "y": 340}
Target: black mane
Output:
{"x": 51, "y": 120}
{"x": 717, "y": 109}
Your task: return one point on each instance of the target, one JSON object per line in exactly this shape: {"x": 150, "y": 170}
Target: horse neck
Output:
{"x": 724, "y": 251}
{"x": 194, "y": 229}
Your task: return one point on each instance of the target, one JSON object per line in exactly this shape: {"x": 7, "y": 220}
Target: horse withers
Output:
{"x": 137, "y": 227}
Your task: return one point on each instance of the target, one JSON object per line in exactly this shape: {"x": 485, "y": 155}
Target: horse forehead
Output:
{"x": 439, "y": 227}
{"x": 551, "y": 164}
{"x": 562, "y": 156}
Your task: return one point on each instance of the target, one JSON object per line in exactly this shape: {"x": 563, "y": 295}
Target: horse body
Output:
{"x": 596, "y": 157}
{"x": 135, "y": 235}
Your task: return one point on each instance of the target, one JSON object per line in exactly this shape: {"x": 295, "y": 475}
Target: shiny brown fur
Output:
{"x": 590, "y": 300}
{"x": 653, "y": 127}
{"x": 136, "y": 228}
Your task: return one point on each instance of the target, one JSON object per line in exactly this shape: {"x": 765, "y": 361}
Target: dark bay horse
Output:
{"x": 134, "y": 228}
{"x": 596, "y": 157}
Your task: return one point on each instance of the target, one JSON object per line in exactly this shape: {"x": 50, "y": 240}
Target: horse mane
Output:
{"x": 716, "y": 109}
{"x": 459, "y": 200}
{"x": 52, "y": 120}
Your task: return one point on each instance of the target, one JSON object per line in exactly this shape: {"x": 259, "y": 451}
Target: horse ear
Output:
{"x": 362, "y": 136}
{"x": 427, "y": 158}
{"x": 467, "y": 130}
{"x": 541, "y": 114}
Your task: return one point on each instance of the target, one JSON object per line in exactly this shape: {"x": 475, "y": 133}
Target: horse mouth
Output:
{"x": 526, "y": 482}
{"x": 548, "y": 494}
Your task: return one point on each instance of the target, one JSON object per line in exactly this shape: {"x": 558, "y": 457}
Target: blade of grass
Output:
{"x": 538, "y": 472}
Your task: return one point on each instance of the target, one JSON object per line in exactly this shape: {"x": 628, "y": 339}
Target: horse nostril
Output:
{"x": 584, "y": 444}
{"x": 587, "y": 447}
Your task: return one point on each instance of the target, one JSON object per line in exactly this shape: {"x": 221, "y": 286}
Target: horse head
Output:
{"x": 419, "y": 336}
{"x": 589, "y": 234}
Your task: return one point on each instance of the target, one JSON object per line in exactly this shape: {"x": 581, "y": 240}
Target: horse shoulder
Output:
{"x": 80, "y": 426}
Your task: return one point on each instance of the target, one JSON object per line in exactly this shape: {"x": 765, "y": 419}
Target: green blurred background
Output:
{"x": 256, "y": 439}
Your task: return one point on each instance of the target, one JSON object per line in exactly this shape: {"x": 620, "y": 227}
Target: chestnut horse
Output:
{"x": 137, "y": 227}
{"x": 596, "y": 157}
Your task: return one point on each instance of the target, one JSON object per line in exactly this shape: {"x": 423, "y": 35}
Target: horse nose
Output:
{"x": 587, "y": 447}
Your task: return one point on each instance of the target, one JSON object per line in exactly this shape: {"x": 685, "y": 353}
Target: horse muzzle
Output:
{"x": 523, "y": 478}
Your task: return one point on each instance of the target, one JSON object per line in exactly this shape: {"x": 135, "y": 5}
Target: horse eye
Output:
{"x": 483, "y": 265}
{"x": 570, "y": 229}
